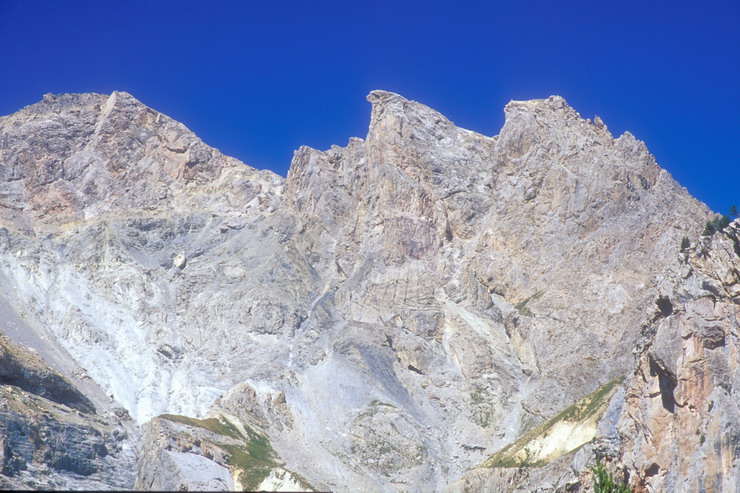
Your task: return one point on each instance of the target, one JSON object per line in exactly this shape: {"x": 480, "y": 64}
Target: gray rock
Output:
{"x": 178, "y": 471}
{"x": 46, "y": 442}
{"x": 388, "y": 316}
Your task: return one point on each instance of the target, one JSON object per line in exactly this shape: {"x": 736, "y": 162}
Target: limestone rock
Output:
{"x": 675, "y": 426}
{"x": 180, "y": 261}
{"x": 50, "y": 435}
{"x": 679, "y": 428}
{"x": 24, "y": 369}
{"x": 387, "y": 317}
{"x": 219, "y": 453}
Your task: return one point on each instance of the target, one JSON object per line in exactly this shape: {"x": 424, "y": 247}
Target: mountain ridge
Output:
{"x": 389, "y": 314}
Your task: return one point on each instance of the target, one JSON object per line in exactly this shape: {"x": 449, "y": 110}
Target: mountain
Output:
{"x": 397, "y": 314}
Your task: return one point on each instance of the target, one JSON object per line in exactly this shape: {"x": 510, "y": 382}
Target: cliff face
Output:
{"x": 52, "y": 437}
{"x": 674, "y": 423}
{"x": 679, "y": 427}
{"x": 388, "y": 316}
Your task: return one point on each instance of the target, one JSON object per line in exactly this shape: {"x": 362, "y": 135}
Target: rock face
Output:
{"x": 217, "y": 453}
{"x": 50, "y": 434}
{"x": 27, "y": 371}
{"x": 675, "y": 426}
{"x": 387, "y": 317}
{"x": 679, "y": 428}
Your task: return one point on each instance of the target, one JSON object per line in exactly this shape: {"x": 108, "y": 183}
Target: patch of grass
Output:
{"x": 253, "y": 463}
{"x": 521, "y": 307}
{"x": 529, "y": 421}
{"x": 577, "y": 412}
{"x": 302, "y": 481}
{"x": 605, "y": 482}
{"x": 588, "y": 406}
{"x": 253, "y": 458}
{"x": 504, "y": 459}
{"x": 483, "y": 413}
{"x": 214, "y": 425}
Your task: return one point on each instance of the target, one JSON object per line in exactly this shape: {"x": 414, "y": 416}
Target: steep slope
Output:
{"x": 95, "y": 221}
{"x": 679, "y": 426}
{"x": 52, "y": 436}
{"x": 388, "y": 316}
{"x": 428, "y": 242}
{"x": 675, "y": 425}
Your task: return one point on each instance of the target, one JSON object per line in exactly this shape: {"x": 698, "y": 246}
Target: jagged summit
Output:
{"x": 391, "y": 314}
{"x": 381, "y": 96}
{"x": 553, "y": 102}
{"x": 92, "y": 153}
{"x": 552, "y": 108}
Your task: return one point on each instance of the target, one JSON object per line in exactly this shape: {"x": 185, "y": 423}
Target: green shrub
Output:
{"x": 685, "y": 243}
{"x": 717, "y": 224}
{"x": 604, "y": 481}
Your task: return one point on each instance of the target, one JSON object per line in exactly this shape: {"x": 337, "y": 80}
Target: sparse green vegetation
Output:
{"x": 522, "y": 305}
{"x": 604, "y": 481}
{"x": 529, "y": 421}
{"x": 478, "y": 396}
{"x": 588, "y": 406}
{"x": 527, "y": 461}
{"x": 715, "y": 225}
{"x": 253, "y": 457}
{"x": 214, "y": 425}
{"x": 374, "y": 408}
{"x": 685, "y": 243}
{"x": 510, "y": 456}
{"x": 483, "y": 418}
{"x": 519, "y": 462}
{"x": 482, "y": 408}
{"x": 253, "y": 464}
{"x": 376, "y": 402}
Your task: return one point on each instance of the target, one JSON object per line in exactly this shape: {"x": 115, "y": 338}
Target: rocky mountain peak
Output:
{"x": 76, "y": 156}
{"x": 392, "y": 112}
{"x": 392, "y": 313}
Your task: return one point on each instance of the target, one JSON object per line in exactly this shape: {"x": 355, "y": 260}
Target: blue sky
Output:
{"x": 257, "y": 79}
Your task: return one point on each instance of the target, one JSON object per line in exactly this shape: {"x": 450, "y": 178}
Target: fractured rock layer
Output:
{"x": 388, "y": 316}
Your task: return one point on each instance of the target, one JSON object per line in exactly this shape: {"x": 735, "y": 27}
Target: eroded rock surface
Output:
{"x": 675, "y": 425}
{"x": 388, "y": 316}
{"x": 50, "y": 434}
{"x": 679, "y": 428}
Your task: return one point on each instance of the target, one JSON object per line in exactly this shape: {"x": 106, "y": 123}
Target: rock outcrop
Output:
{"x": 27, "y": 371}
{"x": 679, "y": 427}
{"x": 387, "y": 317}
{"x": 218, "y": 453}
{"x": 675, "y": 426}
{"x": 50, "y": 434}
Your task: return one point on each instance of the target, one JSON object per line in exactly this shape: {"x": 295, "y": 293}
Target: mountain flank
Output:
{"x": 418, "y": 310}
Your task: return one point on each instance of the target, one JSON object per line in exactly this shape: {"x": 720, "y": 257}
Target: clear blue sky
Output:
{"x": 257, "y": 79}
